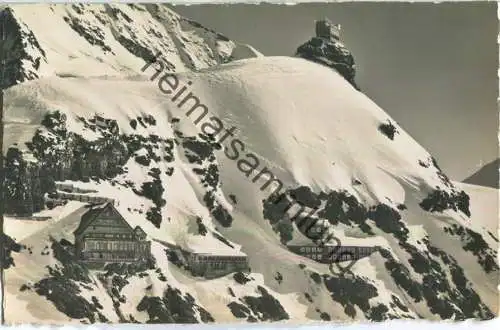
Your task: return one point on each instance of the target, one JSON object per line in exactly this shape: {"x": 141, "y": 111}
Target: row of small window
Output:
{"x": 315, "y": 256}
{"x": 113, "y": 246}
{"x": 342, "y": 257}
{"x": 365, "y": 251}
{"x": 217, "y": 265}
{"x": 109, "y": 256}
{"x": 126, "y": 236}
{"x": 310, "y": 249}
{"x": 317, "y": 249}
{"x": 335, "y": 257}
{"x": 221, "y": 258}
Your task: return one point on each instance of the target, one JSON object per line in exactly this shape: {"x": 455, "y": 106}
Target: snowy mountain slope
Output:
{"x": 334, "y": 151}
{"x": 107, "y": 40}
{"x": 483, "y": 199}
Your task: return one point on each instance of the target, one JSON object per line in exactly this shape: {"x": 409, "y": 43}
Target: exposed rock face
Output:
{"x": 9, "y": 245}
{"x": 22, "y": 61}
{"x": 57, "y": 155}
{"x": 23, "y": 194}
{"x": 325, "y": 48}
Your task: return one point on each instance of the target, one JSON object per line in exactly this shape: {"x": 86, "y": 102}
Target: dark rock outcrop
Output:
{"x": 22, "y": 188}
{"x": 20, "y": 65}
{"x": 55, "y": 154}
{"x": 266, "y": 307}
{"x": 173, "y": 307}
{"x": 9, "y": 245}
{"x": 440, "y": 200}
{"x": 327, "y": 49}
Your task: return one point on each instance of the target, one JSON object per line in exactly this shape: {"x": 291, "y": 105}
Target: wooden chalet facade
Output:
{"x": 105, "y": 236}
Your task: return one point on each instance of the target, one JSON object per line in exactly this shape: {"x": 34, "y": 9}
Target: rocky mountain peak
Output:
{"x": 107, "y": 40}
{"x": 22, "y": 52}
{"x": 327, "y": 49}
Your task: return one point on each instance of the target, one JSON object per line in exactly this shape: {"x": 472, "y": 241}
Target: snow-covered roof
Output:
{"x": 92, "y": 214}
{"x": 212, "y": 248}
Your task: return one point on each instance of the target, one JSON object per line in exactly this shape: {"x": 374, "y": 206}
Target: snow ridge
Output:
{"x": 107, "y": 40}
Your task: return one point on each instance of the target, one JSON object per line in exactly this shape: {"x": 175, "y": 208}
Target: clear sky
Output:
{"x": 432, "y": 67}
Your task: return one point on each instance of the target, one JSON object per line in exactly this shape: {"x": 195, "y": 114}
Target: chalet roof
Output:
{"x": 88, "y": 217}
{"x": 94, "y": 211}
{"x": 213, "y": 250}
{"x": 139, "y": 230}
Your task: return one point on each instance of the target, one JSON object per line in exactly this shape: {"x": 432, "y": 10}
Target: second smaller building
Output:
{"x": 211, "y": 265}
